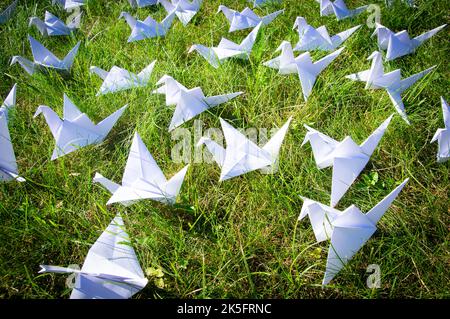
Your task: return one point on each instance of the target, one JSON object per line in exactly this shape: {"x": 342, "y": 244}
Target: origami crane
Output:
{"x": 189, "y": 102}
{"x": 148, "y": 28}
{"x": 347, "y": 158}
{"x": 400, "y": 44}
{"x": 111, "y": 269}
{"x": 242, "y": 155}
{"x": 142, "y": 3}
{"x": 53, "y": 26}
{"x": 246, "y": 19}
{"x": 69, "y": 4}
{"x": 8, "y": 12}
{"x": 227, "y": 49}
{"x": 307, "y": 70}
{"x": 118, "y": 79}
{"x": 319, "y": 39}
{"x": 9, "y": 102}
{"x": 339, "y": 9}
{"x": 348, "y": 230}
{"x": 44, "y": 59}
{"x": 8, "y": 164}
{"x": 375, "y": 78}
{"x": 75, "y": 130}
{"x": 185, "y": 10}
{"x": 442, "y": 135}
{"x": 143, "y": 179}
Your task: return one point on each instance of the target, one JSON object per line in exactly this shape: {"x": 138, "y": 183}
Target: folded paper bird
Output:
{"x": 347, "y": 158}
{"x": 8, "y": 12}
{"x": 8, "y": 164}
{"x": 75, "y": 130}
{"x": 442, "y": 135}
{"x": 242, "y": 155}
{"x": 319, "y": 39}
{"x": 44, "y": 59}
{"x": 143, "y": 179}
{"x": 227, "y": 49}
{"x": 185, "y": 10}
{"x": 400, "y": 44}
{"x": 69, "y": 5}
{"x": 53, "y": 26}
{"x": 307, "y": 70}
{"x": 375, "y": 78}
{"x": 118, "y": 79}
{"x": 9, "y": 102}
{"x": 339, "y": 9}
{"x": 111, "y": 269}
{"x": 246, "y": 19}
{"x": 347, "y": 230}
{"x": 142, "y": 3}
{"x": 189, "y": 102}
{"x": 148, "y": 28}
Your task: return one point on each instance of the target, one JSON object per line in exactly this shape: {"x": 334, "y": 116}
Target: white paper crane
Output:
{"x": 347, "y": 158}
{"x": 400, "y": 44}
{"x": 348, "y": 230}
{"x": 442, "y": 135}
{"x": 143, "y": 179}
{"x": 8, "y": 164}
{"x": 53, "y": 26}
{"x": 375, "y": 78}
{"x": 44, "y": 59}
{"x": 8, "y": 12}
{"x": 246, "y": 19}
{"x": 319, "y": 39}
{"x": 111, "y": 269}
{"x": 69, "y": 5}
{"x": 76, "y": 130}
{"x": 149, "y": 28}
{"x": 9, "y": 102}
{"x": 227, "y": 49}
{"x": 185, "y": 10}
{"x": 118, "y": 79}
{"x": 189, "y": 102}
{"x": 142, "y": 3}
{"x": 339, "y": 9}
{"x": 307, "y": 70}
{"x": 242, "y": 155}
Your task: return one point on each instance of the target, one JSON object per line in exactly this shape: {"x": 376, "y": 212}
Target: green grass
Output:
{"x": 239, "y": 238}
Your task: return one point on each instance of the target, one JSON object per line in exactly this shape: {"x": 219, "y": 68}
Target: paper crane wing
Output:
{"x": 346, "y": 240}
{"x": 9, "y": 102}
{"x": 141, "y": 165}
{"x": 8, "y": 165}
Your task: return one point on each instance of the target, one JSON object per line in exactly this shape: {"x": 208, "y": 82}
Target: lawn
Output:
{"x": 238, "y": 238}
